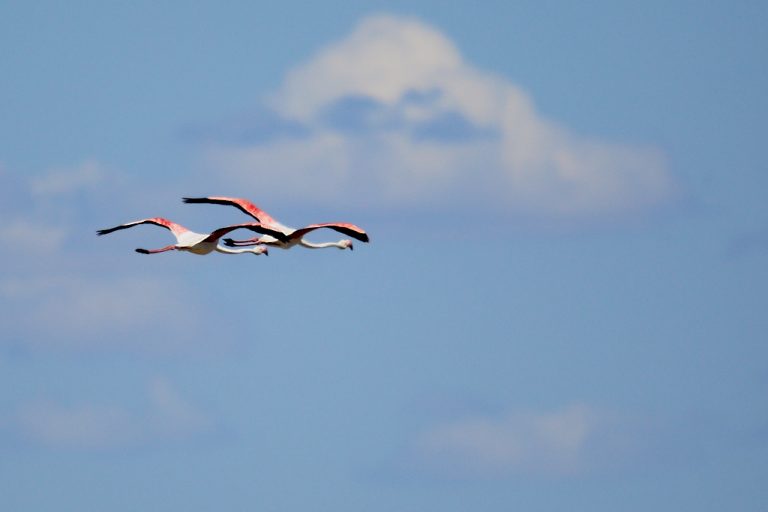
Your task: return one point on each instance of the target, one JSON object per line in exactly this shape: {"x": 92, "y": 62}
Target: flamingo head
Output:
{"x": 260, "y": 249}
{"x": 346, "y": 244}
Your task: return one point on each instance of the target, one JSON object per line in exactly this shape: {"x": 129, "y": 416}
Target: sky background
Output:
{"x": 562, "y": 306}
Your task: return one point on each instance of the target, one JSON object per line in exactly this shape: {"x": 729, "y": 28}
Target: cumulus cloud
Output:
{"x": 532, "y": 442}
{"x": 394, "y": 115}
{"x": 167, "y": 416}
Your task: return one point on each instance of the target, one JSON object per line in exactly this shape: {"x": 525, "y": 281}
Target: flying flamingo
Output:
{"x": 292, "y": 236}
{"x": 196, "y": 243}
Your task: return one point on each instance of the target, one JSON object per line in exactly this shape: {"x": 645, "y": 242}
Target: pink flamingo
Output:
{"x": 196, "y": 243}
{"x": 291, "y": 236}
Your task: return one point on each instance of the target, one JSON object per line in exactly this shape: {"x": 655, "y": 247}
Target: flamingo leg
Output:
{"x": 154, "y": 251}
{"x": 241, "y": 243}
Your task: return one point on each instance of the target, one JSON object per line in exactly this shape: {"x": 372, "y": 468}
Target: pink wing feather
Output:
{"x": 244, "y": 205}
{"x": 342, "y": 227}
{"x": 174, "y": 228}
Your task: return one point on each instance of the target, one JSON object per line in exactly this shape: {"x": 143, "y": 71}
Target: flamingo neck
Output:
{"x": 221, "y": 248}
{"x": 311, "y": 245}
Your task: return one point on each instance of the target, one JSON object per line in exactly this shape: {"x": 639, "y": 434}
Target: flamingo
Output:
{"x": 292, "y": 236}
{"x": 196, "y": 243}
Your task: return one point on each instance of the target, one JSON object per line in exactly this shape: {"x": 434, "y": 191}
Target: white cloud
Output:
{"x": 167, "y": 416}
{"x": 86, "y": 175}
{"x": 65, "y": 311}
{"x": 548, "y": 442}
{"x": 83, "y": 426}
{"x": 383, "y": 58}
{"x": 41, "y": 213}
{"x": 24, "y": 235}
{"x": 396, "y": 116}
{"x": 58, "y": 292}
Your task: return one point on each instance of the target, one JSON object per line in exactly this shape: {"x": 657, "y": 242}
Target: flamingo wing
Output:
{"x": 342, "y": 227}
{"x": 243, "y": 205}
{"x": 253, "y": 226}
{"x": 174, "y": 228}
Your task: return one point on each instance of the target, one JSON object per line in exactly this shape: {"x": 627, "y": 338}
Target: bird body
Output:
{"x": 291, "y": 236}
{"x": 196, "y": 243}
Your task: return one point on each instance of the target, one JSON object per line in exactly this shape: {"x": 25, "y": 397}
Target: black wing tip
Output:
{"x": 361, "y": 236}
{"x": 107, "y": 231}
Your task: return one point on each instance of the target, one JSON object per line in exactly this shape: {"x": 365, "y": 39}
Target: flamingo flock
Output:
{"x": 272, "y": 232}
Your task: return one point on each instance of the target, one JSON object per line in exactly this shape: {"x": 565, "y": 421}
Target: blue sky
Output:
{"x": 562, "y": 305}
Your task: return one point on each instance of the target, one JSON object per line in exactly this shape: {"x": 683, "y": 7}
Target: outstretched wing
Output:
{"x": 253, "y": 226}
{"x": 243, "y": 205}
{"x": 176, "y": 229}
{"x": 342, "y": 227}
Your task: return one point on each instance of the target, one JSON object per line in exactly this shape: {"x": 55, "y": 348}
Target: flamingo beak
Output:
{"x": 351, "y": 247}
